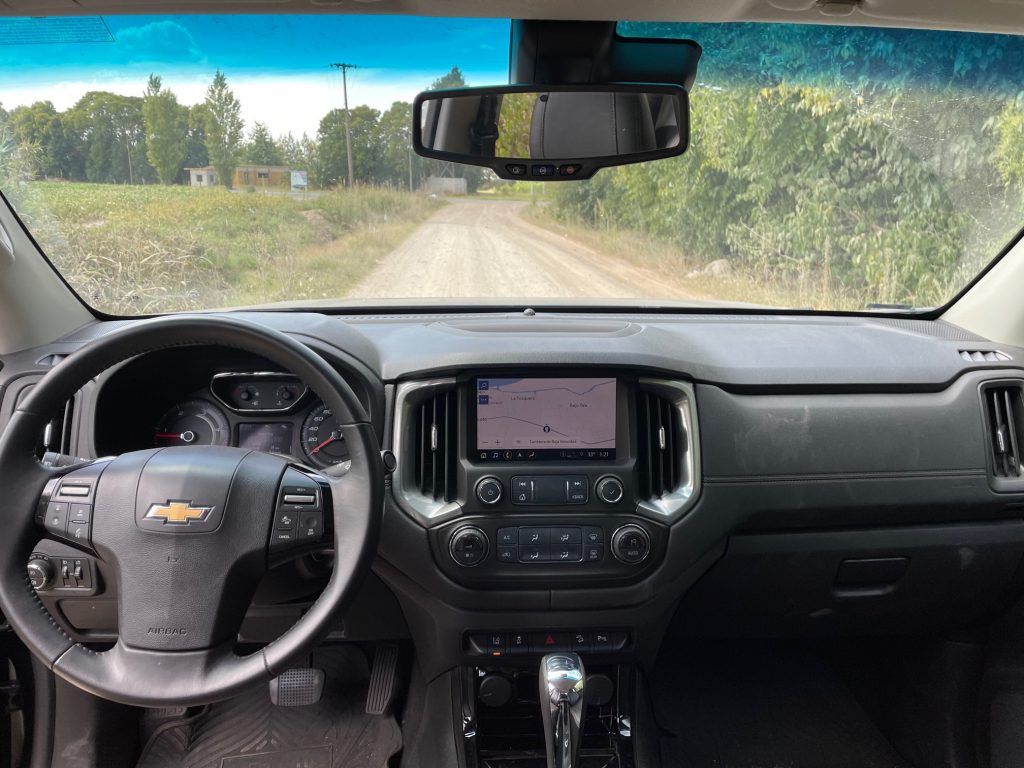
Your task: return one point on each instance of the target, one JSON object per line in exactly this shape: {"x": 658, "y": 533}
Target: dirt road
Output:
{"x": 483, "y": 249}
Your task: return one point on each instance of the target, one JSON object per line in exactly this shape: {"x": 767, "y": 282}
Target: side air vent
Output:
{"x": 426, "y": 440}
{"x": 436, "y": 442}
{"x": 984, "y": 356}
{"x": 1004, "y": 413}
{"x": 668, "y": 471}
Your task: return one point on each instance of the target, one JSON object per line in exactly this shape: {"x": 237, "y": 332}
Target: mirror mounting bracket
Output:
{"x": 592, "y": 52}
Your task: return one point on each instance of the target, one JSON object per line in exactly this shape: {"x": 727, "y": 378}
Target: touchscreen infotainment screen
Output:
{"x": 537, "y": 419}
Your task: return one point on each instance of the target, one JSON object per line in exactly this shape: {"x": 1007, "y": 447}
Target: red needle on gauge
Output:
{"x": 176, "y": 437}
{"x": 325, "y": 443}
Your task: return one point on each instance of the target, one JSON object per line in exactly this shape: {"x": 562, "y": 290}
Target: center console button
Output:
{"x": 522, "y": 490}
{"x": 507, "y": 536}
{"x": 567, "y": 553}
{"x": 563, "y": 536}
{"x": 610, "y": 490}
{"x": 593, "y": 534}
{"x": 506, "y": 554}
{"x": 468, "y": 546}
{"x": 528, "y": 554}
{"x": 488, "y": 490}
{"x": 593, "y": 553}
{"x": 518, "y": 642}
{"x": 631, "y": 544}
{"x": 534, "y": 537}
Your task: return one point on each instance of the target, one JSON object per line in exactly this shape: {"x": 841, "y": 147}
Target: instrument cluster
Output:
{"x": 262, "y": 411}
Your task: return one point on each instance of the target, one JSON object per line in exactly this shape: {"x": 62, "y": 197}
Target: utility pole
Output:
{"x": 348, "y": 131}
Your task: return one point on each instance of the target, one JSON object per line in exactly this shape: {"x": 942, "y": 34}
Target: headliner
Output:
{"x": 1006, "y": 16}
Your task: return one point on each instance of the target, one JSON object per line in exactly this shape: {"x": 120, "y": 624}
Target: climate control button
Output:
{"x": 631, "y": 544}
{"x": 468, "y": 546}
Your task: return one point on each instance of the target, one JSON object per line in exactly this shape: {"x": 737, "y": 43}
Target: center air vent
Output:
{"x": 1004, "y": 413}
{"x": 427, "y": 442}
{"x": 667, "y": 466}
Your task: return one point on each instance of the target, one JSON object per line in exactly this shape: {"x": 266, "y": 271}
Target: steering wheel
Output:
{"x": 187, "y": 531}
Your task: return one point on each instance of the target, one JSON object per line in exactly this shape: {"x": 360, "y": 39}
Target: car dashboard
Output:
{"x": 598, "y": 481}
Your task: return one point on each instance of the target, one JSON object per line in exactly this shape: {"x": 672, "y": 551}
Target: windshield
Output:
{"x": 192, "y": 162}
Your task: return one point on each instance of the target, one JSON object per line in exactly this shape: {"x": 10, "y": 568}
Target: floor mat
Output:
{"x": 249, "y": 730}
{"x": 743, "y": 705}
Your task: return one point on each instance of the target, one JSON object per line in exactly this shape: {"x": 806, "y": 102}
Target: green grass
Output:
{"x": 141, "y": 249}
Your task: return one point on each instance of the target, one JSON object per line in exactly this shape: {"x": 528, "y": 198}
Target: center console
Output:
{"x": 528, "y": 476}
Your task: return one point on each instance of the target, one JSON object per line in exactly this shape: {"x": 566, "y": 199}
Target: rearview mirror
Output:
{"x": 552, "y": 133}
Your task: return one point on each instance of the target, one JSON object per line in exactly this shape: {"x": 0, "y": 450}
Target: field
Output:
{"x": 140, "y": 249}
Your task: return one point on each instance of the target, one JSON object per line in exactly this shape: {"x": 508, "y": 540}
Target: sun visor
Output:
{"x": 591, "y": 52}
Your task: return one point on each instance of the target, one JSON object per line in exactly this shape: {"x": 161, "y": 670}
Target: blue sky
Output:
{"x": 277, "y": 65}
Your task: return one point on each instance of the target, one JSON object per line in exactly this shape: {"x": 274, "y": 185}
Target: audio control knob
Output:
{"x": 609, "y": 490}
{"x": 40, "y": 573}
{"x": 489, "y": 490}
{"x": 631, "y": 544}
{"x": 468, "y": 546}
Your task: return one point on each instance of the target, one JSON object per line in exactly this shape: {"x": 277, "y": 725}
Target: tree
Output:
{"x": 366, "y": 150}
{"x": 110, "y": 135}
{"x": 454, "y": 79}
{"x": 166, "y": 131}
{"x": 261, "y": 148}
{"x": 223, "y": 127}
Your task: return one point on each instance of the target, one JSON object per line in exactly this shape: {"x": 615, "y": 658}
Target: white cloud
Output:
{"x": 285, "y": 102}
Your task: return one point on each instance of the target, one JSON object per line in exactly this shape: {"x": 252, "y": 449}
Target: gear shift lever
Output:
{"x": 561, "y": 702}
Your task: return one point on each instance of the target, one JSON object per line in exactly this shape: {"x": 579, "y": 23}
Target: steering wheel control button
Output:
{"x": 79, "y": 533}
{"x": 57, "y": 517}
{"x": 631, "y": 544}
{"x": 300, "y": 498}
{"x": 40, "y": 573}
{"x": 69, "y": 489}
{"x": 489, "y": 490}
{"x": 284, "y": 521}
{"x": 310, "y": 526}
{"x": 468, "y": 546}
{"x": 282, "y": 538}
{"x": 80, "y": 513}
{"x": 610, "y": 490}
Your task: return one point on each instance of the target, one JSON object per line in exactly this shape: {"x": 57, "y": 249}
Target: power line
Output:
{"x": 348, "y": 131}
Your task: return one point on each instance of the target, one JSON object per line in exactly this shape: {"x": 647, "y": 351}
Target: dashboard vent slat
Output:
{"x": 660, "y": 445}
{"x": 984, "y": 356}
{"x": 435, "y": 444}
{"x": 1004, "y": 405}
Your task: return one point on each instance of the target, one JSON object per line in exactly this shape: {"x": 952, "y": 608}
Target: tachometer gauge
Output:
{"x": 321, "y": 438}
{"x": 193, "y": 422}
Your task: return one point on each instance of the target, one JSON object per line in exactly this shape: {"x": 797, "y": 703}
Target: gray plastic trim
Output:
{"x": 423, "y": 509}
{"x": 677, "y": 502}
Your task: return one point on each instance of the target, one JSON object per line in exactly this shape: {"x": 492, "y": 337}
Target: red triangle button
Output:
{"x": 549, "y": 640}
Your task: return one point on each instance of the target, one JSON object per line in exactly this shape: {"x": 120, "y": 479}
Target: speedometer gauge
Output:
{"x": 321, "y": 438}
{"x": 193, "y": 422}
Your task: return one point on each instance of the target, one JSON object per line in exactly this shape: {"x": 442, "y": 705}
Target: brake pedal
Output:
{"x": 297, "y": 687}
{"x": 382, "y": 680}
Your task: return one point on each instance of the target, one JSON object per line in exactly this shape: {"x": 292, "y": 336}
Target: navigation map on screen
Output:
{"x": 539, "y": 418}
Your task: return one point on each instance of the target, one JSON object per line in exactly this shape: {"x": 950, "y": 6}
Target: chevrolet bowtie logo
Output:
{"x": 177, "y": 513}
